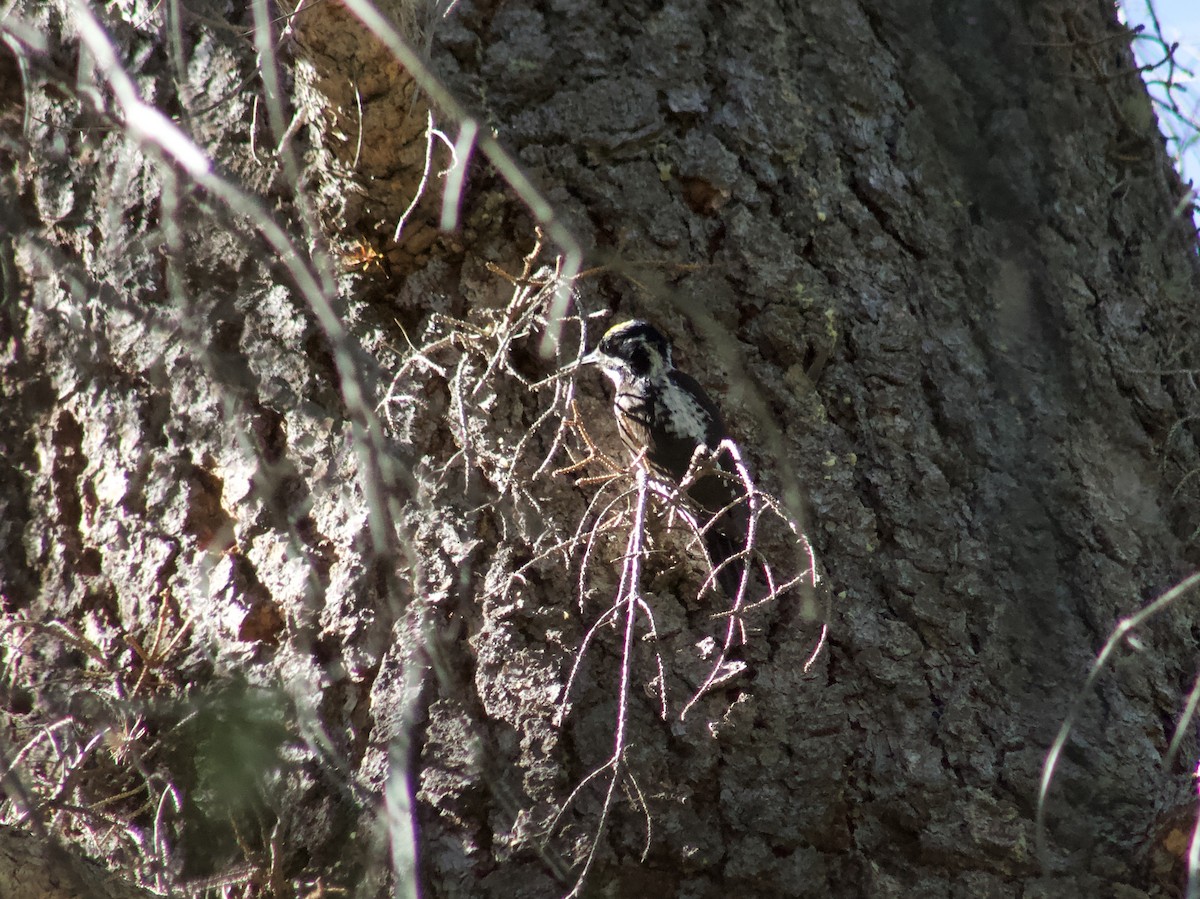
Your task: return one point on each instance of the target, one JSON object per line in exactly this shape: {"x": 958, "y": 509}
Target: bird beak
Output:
{"x": 591, "y": 358}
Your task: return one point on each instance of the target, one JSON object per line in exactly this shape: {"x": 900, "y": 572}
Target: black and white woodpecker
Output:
{"x": 664, "y": 416}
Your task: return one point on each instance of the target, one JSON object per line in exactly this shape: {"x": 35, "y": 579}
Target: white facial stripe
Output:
{"x": 658, "y": 365}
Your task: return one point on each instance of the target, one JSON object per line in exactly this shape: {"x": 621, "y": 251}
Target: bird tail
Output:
{"x": 722, "y": 548}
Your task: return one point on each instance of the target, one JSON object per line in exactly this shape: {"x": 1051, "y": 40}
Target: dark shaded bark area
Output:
{"x": 33, "y": 868}
{"x": 969, "y": 201}
{"x": 926, "y": 259}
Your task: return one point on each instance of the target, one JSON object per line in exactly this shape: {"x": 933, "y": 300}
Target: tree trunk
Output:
{"x": 298, "y": 596}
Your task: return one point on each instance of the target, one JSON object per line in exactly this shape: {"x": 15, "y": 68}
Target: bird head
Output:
{"x": 632, "y": 349}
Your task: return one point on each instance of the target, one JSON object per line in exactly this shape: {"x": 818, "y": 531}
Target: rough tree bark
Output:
{"x": 928, "y": 258}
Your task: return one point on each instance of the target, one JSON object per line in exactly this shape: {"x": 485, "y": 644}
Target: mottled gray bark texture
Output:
{"x": 925, "y": 255}
{"x": 35, "y": 867}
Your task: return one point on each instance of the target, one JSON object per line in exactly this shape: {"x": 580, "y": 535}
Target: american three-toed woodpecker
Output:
{"x": 664, "y": 416}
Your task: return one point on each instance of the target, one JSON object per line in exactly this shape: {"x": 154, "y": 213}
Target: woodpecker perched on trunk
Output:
{"x": 663, "y": 415}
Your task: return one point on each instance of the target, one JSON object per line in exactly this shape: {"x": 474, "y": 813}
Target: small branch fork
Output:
{"x": 616, "y": 508}
{"x": 630, "y": 601}
{"x": 482, "y": 357}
